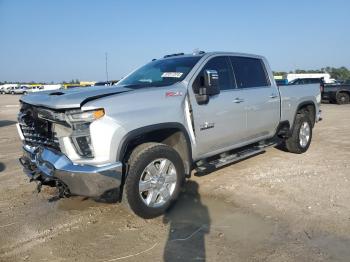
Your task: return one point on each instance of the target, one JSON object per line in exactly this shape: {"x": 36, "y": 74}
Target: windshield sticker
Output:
{"x": 172, "y": 74}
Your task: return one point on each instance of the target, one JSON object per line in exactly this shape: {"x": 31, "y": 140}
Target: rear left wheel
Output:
{"x": 154, "y": 179}
{"x": 300, "y": 139}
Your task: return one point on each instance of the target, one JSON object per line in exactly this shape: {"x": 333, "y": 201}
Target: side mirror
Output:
{"x": 211, "y": 83}
{"x": 211, "y": 78}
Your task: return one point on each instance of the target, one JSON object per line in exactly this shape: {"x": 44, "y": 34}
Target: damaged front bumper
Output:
{"x": 53, "y": 168}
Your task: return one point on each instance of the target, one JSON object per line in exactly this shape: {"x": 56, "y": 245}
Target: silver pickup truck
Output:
{"x": 144, "y": 136}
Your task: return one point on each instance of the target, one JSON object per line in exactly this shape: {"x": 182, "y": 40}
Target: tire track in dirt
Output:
{"x": 35, "y": 239}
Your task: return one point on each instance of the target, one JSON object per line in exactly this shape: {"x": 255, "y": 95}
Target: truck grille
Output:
{"x": 36, "y": 131}
{"x": 33, "y": 138}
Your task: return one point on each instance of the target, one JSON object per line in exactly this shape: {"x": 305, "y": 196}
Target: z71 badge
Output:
{"x": 206, "y": 125}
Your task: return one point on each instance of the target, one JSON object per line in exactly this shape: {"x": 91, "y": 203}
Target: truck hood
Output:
{"x": 70, "y": 98}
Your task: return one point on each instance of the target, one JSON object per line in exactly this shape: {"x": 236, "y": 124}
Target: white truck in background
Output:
{"x": 51, "y": 87}
{"x": 7, "y": 88}
{"x": 325, "y": 76}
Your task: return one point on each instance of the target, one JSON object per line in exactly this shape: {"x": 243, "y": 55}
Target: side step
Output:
{"x": 226, "y": 158}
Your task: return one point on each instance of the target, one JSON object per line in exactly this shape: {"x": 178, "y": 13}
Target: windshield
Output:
{"x": 293, "y": 82}
{"x": 160, "y": 72}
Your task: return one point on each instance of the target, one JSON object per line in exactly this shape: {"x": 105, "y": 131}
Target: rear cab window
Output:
{"x": 249, "y": 72}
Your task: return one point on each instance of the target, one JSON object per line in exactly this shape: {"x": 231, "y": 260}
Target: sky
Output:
{"x": 61, "y": 40}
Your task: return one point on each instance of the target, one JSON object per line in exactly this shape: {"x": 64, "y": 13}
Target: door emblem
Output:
{"x": 206, "y": 125}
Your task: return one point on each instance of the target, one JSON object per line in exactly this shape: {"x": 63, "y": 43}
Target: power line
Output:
{"x": 106, "y": 56}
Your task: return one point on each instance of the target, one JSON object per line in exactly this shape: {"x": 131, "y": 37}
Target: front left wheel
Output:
{"x": 154, "y": 179}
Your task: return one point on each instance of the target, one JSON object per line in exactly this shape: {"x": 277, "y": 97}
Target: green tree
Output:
{"x": 280, "y": 73}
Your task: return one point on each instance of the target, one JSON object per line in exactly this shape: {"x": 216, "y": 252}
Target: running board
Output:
{"x": 205, "y": 167}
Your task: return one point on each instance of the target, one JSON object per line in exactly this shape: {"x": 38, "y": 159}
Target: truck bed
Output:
{"x": 293, "y": 96}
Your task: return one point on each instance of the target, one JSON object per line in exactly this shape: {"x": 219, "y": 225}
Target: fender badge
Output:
{"x": 207, "y": 125}
{"x": 172, "y": 93}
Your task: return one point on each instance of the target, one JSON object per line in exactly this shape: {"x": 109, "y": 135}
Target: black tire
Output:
{"x": 293, "y": 144}
{"x": 12, "y": 93}
{"x": 25, "y": 92}
{"x": 139, "y": 159}
{"x": 343, "y": 98}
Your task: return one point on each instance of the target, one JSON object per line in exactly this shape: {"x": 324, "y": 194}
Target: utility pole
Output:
{"x": 106, "y": 56}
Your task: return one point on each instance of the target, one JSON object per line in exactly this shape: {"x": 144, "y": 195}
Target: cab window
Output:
{"x": 221, "y": 65}
{"x": 249, "y": 72}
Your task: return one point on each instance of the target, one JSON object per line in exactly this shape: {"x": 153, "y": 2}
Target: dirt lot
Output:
{"x": 274, "y": 207}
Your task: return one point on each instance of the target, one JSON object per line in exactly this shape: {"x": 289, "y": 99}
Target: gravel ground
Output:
{"x": 273, "y": 207}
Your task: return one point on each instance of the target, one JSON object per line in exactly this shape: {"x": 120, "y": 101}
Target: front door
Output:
{"x": 221, "y": 122}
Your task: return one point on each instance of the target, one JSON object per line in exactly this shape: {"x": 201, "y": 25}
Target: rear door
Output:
{"x": 259, "y": 96}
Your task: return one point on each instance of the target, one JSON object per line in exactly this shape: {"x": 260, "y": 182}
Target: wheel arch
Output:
{"x": 308, "y": 106}
{"x": 172, "y": 134}
{"x": 346, "y": 91}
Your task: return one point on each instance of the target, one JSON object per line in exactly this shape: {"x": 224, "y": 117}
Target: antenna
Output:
{"x": 106, "y": 56}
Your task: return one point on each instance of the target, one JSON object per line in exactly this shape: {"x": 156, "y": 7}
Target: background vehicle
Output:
{"x": 19, "y": 90}
{"x": 51, "y": 87}
{"x": 109, "y": 83}
{"x": 305, "y": 81}
{"x": 7, "y": 88}
{"x": 281, "y": 82}
{"x": 145, "y": 135}
{"x": 33, "y": 89}
{"x": 10, "y": 90}
{"x": 325, "y": 76}
{"x": 337, "y": 93}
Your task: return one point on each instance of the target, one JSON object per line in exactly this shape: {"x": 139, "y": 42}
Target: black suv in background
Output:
{"x": 334, "y": 93}
{"x": 303, "y": 81}
{"x": 337, "y": 93}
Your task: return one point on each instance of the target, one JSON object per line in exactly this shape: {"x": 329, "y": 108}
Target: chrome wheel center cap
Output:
{"x": 158, "y": 182}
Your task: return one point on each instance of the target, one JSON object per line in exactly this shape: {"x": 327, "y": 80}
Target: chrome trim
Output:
{"x": 238, "y": 100}
{"x": 85, "y": 180}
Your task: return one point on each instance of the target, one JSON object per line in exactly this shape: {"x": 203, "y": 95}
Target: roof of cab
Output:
{"x": 207, "y": 54}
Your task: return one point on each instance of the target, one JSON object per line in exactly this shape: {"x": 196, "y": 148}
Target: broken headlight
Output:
{"x": 80, "y": 122}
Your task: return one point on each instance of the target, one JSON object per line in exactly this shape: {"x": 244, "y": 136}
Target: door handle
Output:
{"x": 273, "y": 96}
{"x": 238, "y": 100}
